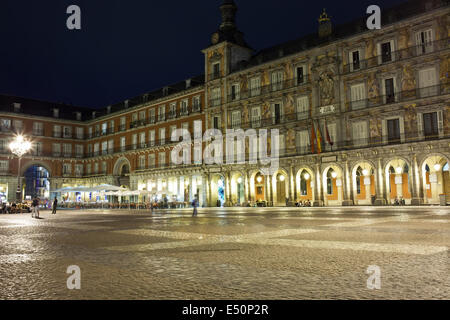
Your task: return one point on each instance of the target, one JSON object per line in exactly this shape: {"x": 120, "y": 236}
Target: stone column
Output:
{"x": 191, "y": 194}
{"x": 291, "y": 187}
{"x": 271, "y": 190}
{"x": 208, "y": 188}
{"x": 228, "y": 202}
{"x": 245, "y": 181}
{"x": 346, "y": 187}
{"x": 248, "y": 184}
{"x": 416, "y": 199}
{"x": 318, "y": 196}
{"x": 380, "y": 186}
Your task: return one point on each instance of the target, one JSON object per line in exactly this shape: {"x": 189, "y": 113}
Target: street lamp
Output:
{"x": 19, "y": 146}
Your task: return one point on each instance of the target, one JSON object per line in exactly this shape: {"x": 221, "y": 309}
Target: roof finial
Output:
{"x": 324, "y": 16}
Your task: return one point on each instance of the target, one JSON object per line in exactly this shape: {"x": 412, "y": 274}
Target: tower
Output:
{"x": 325, "y": 26}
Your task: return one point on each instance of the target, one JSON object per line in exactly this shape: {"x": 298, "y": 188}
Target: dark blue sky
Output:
{"x": 128, "y": 47}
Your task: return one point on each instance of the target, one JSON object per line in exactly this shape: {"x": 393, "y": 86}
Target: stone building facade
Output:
{"x": 362, "y": 115}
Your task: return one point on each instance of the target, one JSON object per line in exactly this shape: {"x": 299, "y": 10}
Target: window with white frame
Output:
{"x": 424, "y": 41}
{"x": 256, "y": 117}
{"x": 104, "y": 167}
{"x": 151, "y": 160}
{"x": 235, "y": 91}
{"x": 134, "y": 118}
{"x": 184, "y": 107}
{"x": 78, "y": 169}
{"x": 196, "y": 103}
{"x": 79, "y": 150}
{"x": 4, "y": 165}
{"x": 302, "y": 107}
{"x": 67, "y": 168}
{"x": 386, "y": 50}
{"x": 303, "y": 141}
{"x": 111, "y": 146}
{"x": 360, "y": 133}
{"x": 171, "y": 131}
{"x": 151, "y": 115}
{"x": 255, "y": 86}
{"x": 358, "y": 96}
{"x": 90, "y": 132}
{"x": 79, "y": 133}
{"x": 88, "y": 169}
{"x": 162, "y": 136}
{"x": 18, "y": 125}
{"x": 277, "y": 80}
{"x": 236, "y": 119}
{"x": 141, "y": 161}
{"x": 96, "y": 168}
{"x": 123, "y": 123}
{"x": 151, "y": 137}
{"x": 56, "y": 148}
{"x": 5, "y": 124}
{"x": 142, "y": 116}
{"x": 162, "y": 113}
{"x": 216, "y": 96}
{"x": 173, "y": 110}
{"x": 122, "y": 144}
{"x": 67, "y": 149}
{"x": 428, "y": 82}
{"x": 111, "y": 126}
{"x": 96, "y": 149}
{"x": 104, "y": 147}
{"x": 162, "y": 159}
{"x": 57, "y": 131}
{"x": 38, "y": 148}
{"x": 142, "y": 143}
{"x": 38, "y": 128}
{"x": 134, "y": 141}
{"x": 3, "y": 145}
{"x": 104, "y": 128}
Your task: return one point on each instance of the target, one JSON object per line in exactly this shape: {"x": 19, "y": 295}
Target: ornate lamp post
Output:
{"x": 19, "y": 146}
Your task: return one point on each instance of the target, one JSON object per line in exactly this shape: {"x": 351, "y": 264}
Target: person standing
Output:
{"x": 55, "y": 204}
{"x": 37, "y": 208}
{"x": 194, "y": 204}
{"x": 33, "y": 207}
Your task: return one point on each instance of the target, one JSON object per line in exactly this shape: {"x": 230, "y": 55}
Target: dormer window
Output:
{"x": 108, "y": 109}
{"x": 125, "y": 103}
{"x": 78, "y": 116}
{"x": 165, "y": 91}
{"x": 93, "y": 114}
{"x": 56, "y": 113}
{"x": 188, "y": 83}
{"x": 16, "y": 107}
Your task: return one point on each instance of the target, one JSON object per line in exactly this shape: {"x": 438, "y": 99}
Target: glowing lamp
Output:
{"x": 334, "y": 174}
{"x": 281, "y": 178}
{"x": 437, "y": 166}
{"x": 306, "y": 176}
{"x": 398, "y": 170}
{"x": 259, "y": 179}
{"x": 365, "y": 172}
{"x": 239, "y": 180}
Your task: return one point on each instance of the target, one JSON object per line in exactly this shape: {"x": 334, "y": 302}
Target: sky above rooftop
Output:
{"x": 129, "y": 47}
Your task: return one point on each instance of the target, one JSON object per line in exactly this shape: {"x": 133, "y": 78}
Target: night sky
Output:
{"x": 126, "y": 48}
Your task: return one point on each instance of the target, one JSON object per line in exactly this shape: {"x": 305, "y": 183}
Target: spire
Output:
{"x": 227, "y": 30}
{"x": 325, "y": 26}
{"x": 228, "y": 9}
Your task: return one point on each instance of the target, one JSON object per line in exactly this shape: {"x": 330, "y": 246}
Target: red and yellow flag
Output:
{"x": 313, "y": 138}
{"x": 319, "y": 141}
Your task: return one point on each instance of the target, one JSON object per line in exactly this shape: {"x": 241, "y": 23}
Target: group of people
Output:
{"x": 399, "y": 202}
{"x": 305, "y": 203}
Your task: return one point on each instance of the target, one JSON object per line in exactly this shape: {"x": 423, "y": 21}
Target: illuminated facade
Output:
{"x": 363, "y": 119}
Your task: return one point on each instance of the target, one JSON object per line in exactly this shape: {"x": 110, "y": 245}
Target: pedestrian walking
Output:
{"x": 33, "y": 207}
{"x": 194, "y": 204}
{"x": 36, "y": 213}
{"x": 55, "y": 204}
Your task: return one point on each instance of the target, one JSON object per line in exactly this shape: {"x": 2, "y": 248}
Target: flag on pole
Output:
{"x": 313, "y": 138}
{"x": 319, "y": 140}
{"x": 327, "y": 135}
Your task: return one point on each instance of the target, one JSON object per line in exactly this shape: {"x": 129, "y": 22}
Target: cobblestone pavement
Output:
{"x": 234, "y": 253}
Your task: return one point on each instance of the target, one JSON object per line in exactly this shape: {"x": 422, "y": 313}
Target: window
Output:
{"x": 38, "y": 148}
{"x": 196, "y": 103}
{"x": 142, "y": 117}
{"x": 123, "y": 123}
{"x": 4, "y": 165}
{"x": 215, "y": 97}
{"x": 354, "y": 60}
{"x": 78, "y": 169}
{"x": 18, "y": 125}
{"x": 104, "y": 167}
{"x": 104, "y": 128}
{"x": 424, "y": 41}
{"x": 162, "y": 113}
{"x": 151, "y": 115}
{"x": 303, "y": 142}
{"x": 96, "y": 168}
{"x": 330, "y": 182}
{"x": 216, "y": 70}
{"x": 430, "y": 125}
{"x": 142, "y": 162}
{"x": 256, "y": 117}
{"x": 300, "y": 74}
{"x": 134, "y": 141}
{"x": 358, "y": 96}
{"x": 360, "y": 133}
{"x": 57, "y": 131}
{"x": 428, "y": 83}
{"x": 38, "y": 128}
{"x": 142, "y": 143}
{"x": 90, "y": 150}
{"x": 393, "y": 130}
{"x": 55, "y": 113}
{"x": 236, "y": 119}
{"x": 5, "y": 124}
{"x": 151, "y": 137}
{"x": 96, "y": 149}
{"x": 162, "y": 136}
{"x": 304, "y": 182}
{"x": 90, "y": 132}
{"x": 184, "y": 107}
{"x": 111, "y": 146}
{"x": 216, "y": 121}
{"x": 385, "y": 51}
{"x": 79, "y": 150}
{"x": 56, "y": 149}
{"x": 255, "y": 86}
{"x": 151, "y": 160}
{"x": 104, "y": 147}
{"x": 67, "y": 132}
{"x": 122, "y": 144}
{"x": 277, "y": 80}
{"x": 67, "y": 149}
{"x": 97, "y": 130}
{"x": 162, "y": 159}
{"x": 67, "y": 168}
{"x": 88, "y": 169}
{"x": 185, "y": 126}
{"x": 281, "y": 144}
{"x": 3, "y": 146}
{"x": 172, "y": 110}
{"x": 302, "y": 107}
{"x": 171, "y": 130}
{"x": 79, "y": 133}
{"x": 235, "y": 91}
{"x": 276, "y": 113}
{"x": 134, "y": 118}
{"x": 111, "y": 126}
{"x": 389, "y": 90}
